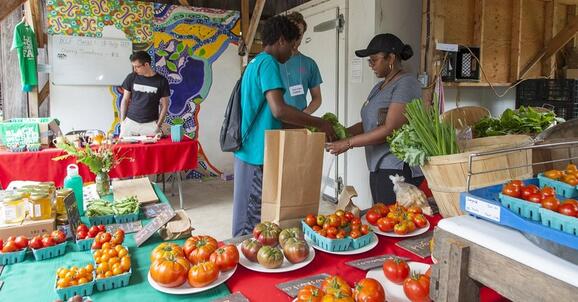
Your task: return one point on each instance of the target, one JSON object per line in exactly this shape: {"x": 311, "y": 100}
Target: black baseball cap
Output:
{"x": 387, "y": 43}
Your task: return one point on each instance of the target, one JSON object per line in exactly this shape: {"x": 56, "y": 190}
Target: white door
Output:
{"x": 323, "y": 47}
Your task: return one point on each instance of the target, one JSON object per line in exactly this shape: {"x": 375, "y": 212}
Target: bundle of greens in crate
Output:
{"x": 126, "y": 209}
{"x": 100, "y": 212}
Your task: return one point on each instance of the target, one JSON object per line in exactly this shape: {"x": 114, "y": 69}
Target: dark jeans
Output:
{"x": 248, "y": 184}
{"x": 382, "y": 187}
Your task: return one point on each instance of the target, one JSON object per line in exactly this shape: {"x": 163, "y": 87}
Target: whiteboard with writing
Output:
{"x": 89, "y": 61}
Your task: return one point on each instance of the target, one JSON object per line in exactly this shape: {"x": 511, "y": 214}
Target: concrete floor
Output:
{"x": 209, "y": 204}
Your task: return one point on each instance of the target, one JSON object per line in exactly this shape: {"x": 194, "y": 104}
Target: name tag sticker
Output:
{"x": 296, "y": 90}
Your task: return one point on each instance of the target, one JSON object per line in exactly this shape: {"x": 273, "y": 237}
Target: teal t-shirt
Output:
{"x": 299, "y": 69}
{"x": 261, "y": 75}
{"x": 25, "y": 43}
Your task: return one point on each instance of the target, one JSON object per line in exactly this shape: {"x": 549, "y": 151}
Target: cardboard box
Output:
{"x": 28, "y": 228}
{"x": 572, "y": 73}
{"x": 29, "y": 131}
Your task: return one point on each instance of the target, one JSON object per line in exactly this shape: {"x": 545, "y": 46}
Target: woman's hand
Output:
{"x": 338, "y": 147}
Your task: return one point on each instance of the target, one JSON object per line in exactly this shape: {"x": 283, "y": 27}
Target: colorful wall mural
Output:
{"x": 183, "y": 42}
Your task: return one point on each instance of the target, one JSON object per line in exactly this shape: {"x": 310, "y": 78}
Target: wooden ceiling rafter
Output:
{"x": 8, "y": 6}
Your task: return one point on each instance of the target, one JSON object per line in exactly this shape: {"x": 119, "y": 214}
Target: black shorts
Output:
{"x": 382, "y": 187}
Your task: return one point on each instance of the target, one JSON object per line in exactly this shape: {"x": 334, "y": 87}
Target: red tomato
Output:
{"x": 368, "y": 290}
{"x": 386, "y": 224}
{"x": 568, "y": 209}
{"x": 21, "y": 242}
{"x": 536, "y": 198}
{"x": 396, "y": 270}
{"x": 316, "y": 228}
{"x": 309, "y": 293}
{"x": 101, "y": 228}
{"x": 516, "y": 183}
{"x": 349, "y": 216}
{"x": 420, "y": 221}
{"x": 81, "y": 235}
{"x": 199, "y": 248}
{"x": 511, "y": 190}
{"x": 322, "y": 233}
{"x": 356, "y": 221}
{"x": 416, "y": 288}
{"x": 9, "y": 247}
{"x": 93, "y": 231}
{"x": 341, "y": 234}
{"x": 48, "y": 241}
{"x": 11, "y": 238}
{"x": 36, "y": 243}
{"x": 170, "y": 271}
{"x": 372, "y": 216}
{"x": 332, "y": 231}
{"x": 401, "y": 228}
{"x": 333, "y": 220}
{"x": 203, "y": 274}
{"x": 548, "y": 192}
{"x": 364, "y": 229}
{"x": 225, "y": 257}
{"x": 1, "y": 244}
{"x": 58, "y": 236}
{"x": 82, "y": 227}
{"x": 310, "y": 220}
{"x": 381, "y": 208}
{"x": 415, "y": 210}
{"x": 527, "y": 191}
{"x": 355, "y": 234}
{"x": 550, "y": 203}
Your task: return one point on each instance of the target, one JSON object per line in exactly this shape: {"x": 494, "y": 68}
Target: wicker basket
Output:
{"x": 462, "y": 117}
{"x": 447, "y": 175}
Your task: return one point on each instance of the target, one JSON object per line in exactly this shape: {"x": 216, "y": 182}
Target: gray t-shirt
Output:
{"x": 374, "y": 112}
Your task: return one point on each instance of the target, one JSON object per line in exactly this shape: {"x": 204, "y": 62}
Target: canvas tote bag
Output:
{"x": 292, "y": 172}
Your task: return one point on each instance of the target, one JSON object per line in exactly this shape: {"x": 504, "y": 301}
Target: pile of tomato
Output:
{"x": 47, "y": 240}
{"x": 84, "y": 232}
{"x": 338, "y": 225}
{"x": 415, "y": 285}
{"x": 13, "y": 244}
{"x": 396, "y": 218}
{"x": 568, "y": 176}
{"x": 111, "y": 260}
{"x": 270, "y": 245}
{"x": 335, "y": 288}
{"x": 73, "y": 276}
{"x": 199, "y": 262}
{"x": 545, "y": 196}
{"x": 103, "y": 237}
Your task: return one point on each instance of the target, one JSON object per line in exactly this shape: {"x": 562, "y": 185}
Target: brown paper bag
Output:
{"x": 292, "y": 173}
{"x": 346, "y": 200}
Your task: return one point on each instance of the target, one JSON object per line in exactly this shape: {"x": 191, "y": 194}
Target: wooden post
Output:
{"x": 550, "y": 15}
{"x": 571, "y": 13}
{"x": 255, "y": 18}
{"x": 479, "y": 24}
{"x": 563, "y": 37}
{"x": 34, "y": 14}
{"x": 516, "y": 40}
{"x": 15, "y": 104}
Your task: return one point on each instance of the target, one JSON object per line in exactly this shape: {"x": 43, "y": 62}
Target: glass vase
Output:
{"x": 102, "y": 183}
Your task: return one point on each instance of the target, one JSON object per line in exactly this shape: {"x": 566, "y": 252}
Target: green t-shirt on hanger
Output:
{"x": 25, "y": 43}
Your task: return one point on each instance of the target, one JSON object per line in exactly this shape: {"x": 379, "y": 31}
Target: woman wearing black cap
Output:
{"x": 381, "y": 114}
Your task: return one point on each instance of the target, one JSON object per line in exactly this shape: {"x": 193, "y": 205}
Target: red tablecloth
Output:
{"x": 161, "y": 157}
{"x": 261, "y": 286}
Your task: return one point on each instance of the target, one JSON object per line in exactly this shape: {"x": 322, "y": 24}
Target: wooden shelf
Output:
{"x": 474, "y": 84}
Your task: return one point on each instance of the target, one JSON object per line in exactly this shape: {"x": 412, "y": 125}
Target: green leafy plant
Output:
{"x": 405, "y": 145}
{"x": 101, "y": 159}
{"x": 339, "y": 129}
{"x": 524, "y": 120}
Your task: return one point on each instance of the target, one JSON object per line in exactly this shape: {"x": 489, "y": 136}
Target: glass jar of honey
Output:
{"x": 50, "y": 187}
{"x": 40, "y": 206}
{"x": 60, "y": 196}
{"x": 14, "y": 208}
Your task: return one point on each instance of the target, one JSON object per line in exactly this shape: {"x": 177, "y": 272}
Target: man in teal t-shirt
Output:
{"x": 262, "y": 109}
{"x": 25, "y": 43}
{"x": 301, "y": 74}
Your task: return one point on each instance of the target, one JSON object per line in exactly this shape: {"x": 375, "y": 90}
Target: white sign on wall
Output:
{"x": 89, "y": 61}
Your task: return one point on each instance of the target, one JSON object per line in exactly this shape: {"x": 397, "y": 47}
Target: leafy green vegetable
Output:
{"x": 339, "y": 129}
{"x": 405, "y": 145}
{"x": 525, "y": 120}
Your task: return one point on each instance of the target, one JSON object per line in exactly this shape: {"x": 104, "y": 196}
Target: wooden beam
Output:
{"x": 516, "y": 45}
{"x": 33, "y": 103}
{"x": 479, "y": 23}
{"x": 550, "y": 16}
{"x": 571, "y": 13}
{"x": 8, "y": 6}
{"x": 14, "y": 99}
{"x": 34, "y": 12}
{"x": 563, "y": 37}
{"x": 44, "y": 92}
{"x": 245, "y": 17}
{"x": 255, "y": 18}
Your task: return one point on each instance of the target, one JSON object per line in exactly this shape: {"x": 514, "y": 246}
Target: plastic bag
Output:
{"x": 407, "y": 195}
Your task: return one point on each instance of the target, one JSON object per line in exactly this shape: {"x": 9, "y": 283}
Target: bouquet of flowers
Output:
{"x": 99, "y": 160}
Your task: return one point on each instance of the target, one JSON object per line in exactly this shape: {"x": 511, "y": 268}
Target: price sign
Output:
{"x": 162, "y": 218}
{"x": 483, "y": 209}
{"x": 370, "y": 263}
{"x": 72, "y": 212}
{"x": 291, "y": 288}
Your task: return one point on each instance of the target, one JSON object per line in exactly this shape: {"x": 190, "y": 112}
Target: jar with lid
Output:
{"x": 60, "y": 197}
{"x": 14, "y": 208}
{"x": 40, "y": 206}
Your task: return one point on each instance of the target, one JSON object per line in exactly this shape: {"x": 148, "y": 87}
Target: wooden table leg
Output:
{"x": 450, "y": 280}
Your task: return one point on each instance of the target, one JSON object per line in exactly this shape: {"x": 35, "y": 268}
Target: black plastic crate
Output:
{"x": 544, "y": 90}
{"x": 565, "y": 110}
